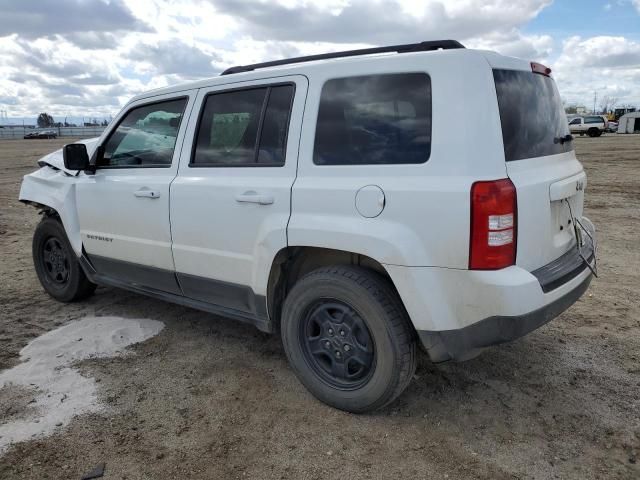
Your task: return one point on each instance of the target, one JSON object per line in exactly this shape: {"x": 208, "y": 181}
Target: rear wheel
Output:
{"x": 348, "y": 338}
{"x": 57, "y": 265}
{"x": 593, "y": 132}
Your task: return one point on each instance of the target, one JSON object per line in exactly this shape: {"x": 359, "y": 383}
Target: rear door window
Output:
{"x": 244, "y": 127}
{"x": 531, "y": 113}
{"x": 374, "y": 119}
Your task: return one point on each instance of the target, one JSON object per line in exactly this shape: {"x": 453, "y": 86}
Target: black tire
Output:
{"x": 593, "y": 132}
{"x": 57, "y": 265}
{"x": 377, "y": 368}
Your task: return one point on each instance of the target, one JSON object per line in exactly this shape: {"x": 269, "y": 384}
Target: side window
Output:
{"x": 575, "y": 121}
{"x": 146, "y": 136}
{"x": 244, "y": 127}
{"x": 594, "y": 120}
{"x": 374, "y": 119}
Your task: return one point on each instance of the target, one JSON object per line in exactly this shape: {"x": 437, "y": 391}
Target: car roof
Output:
{"x": 308, "y": 68}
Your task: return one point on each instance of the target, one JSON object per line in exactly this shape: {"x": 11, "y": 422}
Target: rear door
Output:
{"x": 541, "y": 163}
{"x": 231, "y": 201}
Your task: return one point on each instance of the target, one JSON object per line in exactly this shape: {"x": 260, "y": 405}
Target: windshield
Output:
{"x": 533, "y": 120}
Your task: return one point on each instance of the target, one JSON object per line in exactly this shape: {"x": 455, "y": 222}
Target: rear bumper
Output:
{"x": 457, "y": 313}
{"x": 465, "y": 343}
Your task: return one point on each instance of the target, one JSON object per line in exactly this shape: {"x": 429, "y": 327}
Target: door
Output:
{"x": 124, "y": 208}
{"x": 230, "y": 203}
{"x": 576, "y": 125}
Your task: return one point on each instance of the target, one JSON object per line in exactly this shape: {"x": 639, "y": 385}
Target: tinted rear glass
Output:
{"x": 374, "y": 119}
{"x": 531, "y": 114}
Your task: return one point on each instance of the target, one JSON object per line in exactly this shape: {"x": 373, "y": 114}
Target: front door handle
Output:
{"x": 145, "y": 193}
{"x": 254, "y": 197}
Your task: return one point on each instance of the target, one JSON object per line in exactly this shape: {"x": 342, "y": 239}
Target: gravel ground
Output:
{"x": 210, "y": 398}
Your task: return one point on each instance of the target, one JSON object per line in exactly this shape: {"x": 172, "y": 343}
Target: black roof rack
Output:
{"x": 409, "y": 47}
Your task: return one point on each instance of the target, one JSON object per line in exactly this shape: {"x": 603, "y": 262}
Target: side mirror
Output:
{"x": 75, "y": 156}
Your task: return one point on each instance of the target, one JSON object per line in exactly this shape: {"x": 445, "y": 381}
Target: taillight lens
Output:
{"x": 493, "y": 225}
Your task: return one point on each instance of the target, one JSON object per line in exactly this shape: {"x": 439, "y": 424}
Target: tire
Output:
{"x": 593, "y": 132}
{"x": 57, "y": 265}
{"x": 365, "y": 346}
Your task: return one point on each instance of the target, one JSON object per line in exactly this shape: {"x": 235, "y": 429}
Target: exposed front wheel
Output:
{"x": 56, "y": 263}
{"x": 348, "y": 338}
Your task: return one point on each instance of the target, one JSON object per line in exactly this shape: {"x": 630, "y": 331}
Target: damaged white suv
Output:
{"x": 328, "y": 198}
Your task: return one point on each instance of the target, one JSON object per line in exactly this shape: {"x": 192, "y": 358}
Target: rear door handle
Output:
{"x": 253, "y": 197}
{"x": 144, "y": 193}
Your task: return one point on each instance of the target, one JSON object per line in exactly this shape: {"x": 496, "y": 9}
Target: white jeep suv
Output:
{"x": 327, "y": 198}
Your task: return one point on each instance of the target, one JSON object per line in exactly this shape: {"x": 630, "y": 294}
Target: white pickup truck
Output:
{"x": 593, "y": 125}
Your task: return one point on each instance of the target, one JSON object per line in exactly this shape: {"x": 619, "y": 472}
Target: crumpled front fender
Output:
{"x": 55, "y": 189}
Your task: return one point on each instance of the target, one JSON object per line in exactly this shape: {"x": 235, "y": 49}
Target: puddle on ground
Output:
{"x": 44, "y": 392}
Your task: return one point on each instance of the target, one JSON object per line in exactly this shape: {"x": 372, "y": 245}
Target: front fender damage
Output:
{"x": 49, "y": 189}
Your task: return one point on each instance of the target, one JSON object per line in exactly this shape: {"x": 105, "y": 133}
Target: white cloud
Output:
{"x": 378, "y": 22}
{"x": 604, "y": 64}
{"x": 79, "y": 57}
{"x": 48, "y": 17}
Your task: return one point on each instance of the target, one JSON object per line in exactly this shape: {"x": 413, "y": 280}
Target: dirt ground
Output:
{"x": 211, "y": 398}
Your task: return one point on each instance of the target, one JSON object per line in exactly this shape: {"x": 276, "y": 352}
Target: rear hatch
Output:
{"x": 540, "y": 161}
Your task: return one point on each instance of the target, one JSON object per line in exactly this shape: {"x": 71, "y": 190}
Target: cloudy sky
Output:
{"x": 87, "y": 57}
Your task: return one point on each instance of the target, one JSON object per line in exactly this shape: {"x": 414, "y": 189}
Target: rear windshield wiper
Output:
{"x": 562, "y": 140}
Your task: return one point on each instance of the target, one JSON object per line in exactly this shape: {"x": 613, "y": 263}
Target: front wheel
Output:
{"x": 57, "y": 265}
{"x": 348, "y": 338}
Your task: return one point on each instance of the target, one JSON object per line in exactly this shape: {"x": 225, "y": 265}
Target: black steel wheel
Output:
{"x": 337, "y": 344}
{"x": 348, "y": 338}
{"x": 56, "y": 263}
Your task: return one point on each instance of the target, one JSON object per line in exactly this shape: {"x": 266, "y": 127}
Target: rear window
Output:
{"x": 374, "y": 119}
{"x": 531, "y": 114}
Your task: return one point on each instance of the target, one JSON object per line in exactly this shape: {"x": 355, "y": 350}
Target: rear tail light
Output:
{"x": 493, "y": 225}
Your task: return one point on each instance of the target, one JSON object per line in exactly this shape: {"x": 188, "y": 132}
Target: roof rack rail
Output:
{"x": 409, "y": 47}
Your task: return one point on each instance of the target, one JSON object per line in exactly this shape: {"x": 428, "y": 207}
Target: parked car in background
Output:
{"x": 592, "y": 125}
{"x": 42, "y": 134}
{"x": 48, "y": 134}
{"x": 612, "y": 126}
{"x": 326, "y": 198}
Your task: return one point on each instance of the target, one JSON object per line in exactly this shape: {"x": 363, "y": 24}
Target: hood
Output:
{"x": 55, "y": 159}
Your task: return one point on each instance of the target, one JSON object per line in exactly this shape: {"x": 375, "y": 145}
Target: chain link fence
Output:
{"x": 7, "y": 132}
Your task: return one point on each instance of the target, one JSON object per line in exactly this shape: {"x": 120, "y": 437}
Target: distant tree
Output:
{"x": 104, "y": 123}
{"x": 44, "y": 120}
{"x": 571, "y": 109}
{"x": 607, "y": 103}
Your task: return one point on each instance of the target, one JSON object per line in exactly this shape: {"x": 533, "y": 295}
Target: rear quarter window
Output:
{"x": 531, "y": 115}
{"x": 594, "y": 120}
{"x": 374, "y": 119}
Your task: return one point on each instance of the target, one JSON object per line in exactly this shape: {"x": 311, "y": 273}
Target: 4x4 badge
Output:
{"x": 579, "y": 186}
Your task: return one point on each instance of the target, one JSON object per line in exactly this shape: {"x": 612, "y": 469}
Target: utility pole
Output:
{"x": 595, "y": 99}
